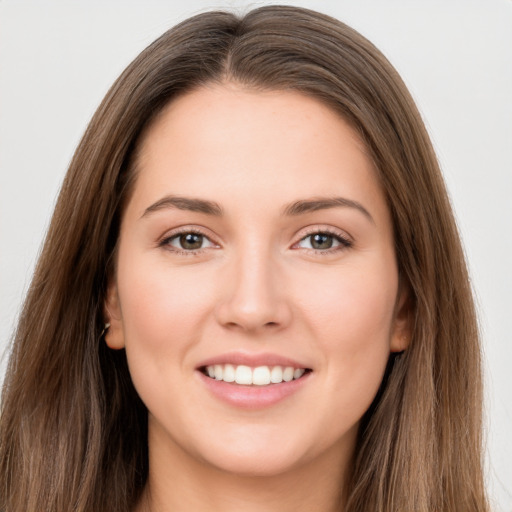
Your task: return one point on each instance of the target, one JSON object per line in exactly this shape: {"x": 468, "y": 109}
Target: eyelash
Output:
{"x": 183, "y": 252}
{"x": 344, "y": 242}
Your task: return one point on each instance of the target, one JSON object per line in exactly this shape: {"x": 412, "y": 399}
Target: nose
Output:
{"x": 254, "y": 294}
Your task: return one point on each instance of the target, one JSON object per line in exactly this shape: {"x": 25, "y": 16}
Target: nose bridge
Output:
{"x": 255, "y": 295}
{"x": 254, "y": 281}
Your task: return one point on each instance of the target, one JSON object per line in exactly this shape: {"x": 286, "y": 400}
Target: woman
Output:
{"x": 252, "y": 294}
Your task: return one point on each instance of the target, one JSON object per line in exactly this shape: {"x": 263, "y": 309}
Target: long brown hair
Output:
{"x": 73, "y": 432}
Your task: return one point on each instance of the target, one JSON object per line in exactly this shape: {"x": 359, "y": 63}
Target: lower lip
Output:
{"x": 253, "y": 397}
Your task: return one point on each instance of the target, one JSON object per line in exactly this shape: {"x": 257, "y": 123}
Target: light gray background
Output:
{"x": 57, "y": 60}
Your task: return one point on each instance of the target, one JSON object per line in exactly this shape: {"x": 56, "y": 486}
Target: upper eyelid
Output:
{"x": 312, "y": 230}
{"x": 173, "y": 233}
{"x": 342, "y": 241}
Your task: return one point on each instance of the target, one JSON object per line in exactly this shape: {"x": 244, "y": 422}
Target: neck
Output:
{"x": 180, "y": 483}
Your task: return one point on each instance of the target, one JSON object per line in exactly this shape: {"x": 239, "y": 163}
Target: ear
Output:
{"x": 402, "y": 323}
{"x": 114, "y": 335}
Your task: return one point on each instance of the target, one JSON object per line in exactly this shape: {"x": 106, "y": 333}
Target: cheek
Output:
{"x": 164, "y": 311}
{"x": 352, "y": 302}
{"x": 350, "y": 313}
{"x": 163, "y": 308}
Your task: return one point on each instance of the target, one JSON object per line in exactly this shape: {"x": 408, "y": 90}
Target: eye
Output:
{"x": 323, "y": 241}
{"x": 188, "y": 241}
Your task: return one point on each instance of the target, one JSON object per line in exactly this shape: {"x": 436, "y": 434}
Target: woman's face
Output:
{"x": 257, "y": 246}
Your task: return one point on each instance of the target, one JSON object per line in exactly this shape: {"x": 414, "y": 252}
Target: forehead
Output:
{"x": 225, "y": 142}
{"x": 217, "y": 110}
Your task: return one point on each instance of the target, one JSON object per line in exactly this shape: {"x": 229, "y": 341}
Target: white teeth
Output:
{"x": 243, "y": 375}
{"x": 288, "y": 374}
{"x": 276, "y": 375}
{"x": 259, "y": 376}
{"x": 229, "y": 373}
{"x": 298, "y": 373}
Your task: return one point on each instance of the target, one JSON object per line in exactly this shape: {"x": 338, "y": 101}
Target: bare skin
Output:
{"x": 213, "y": 490}
{"x": 257, "y": 231}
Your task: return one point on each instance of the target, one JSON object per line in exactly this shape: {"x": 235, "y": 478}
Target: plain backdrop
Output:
{"x": 57, "y": 60}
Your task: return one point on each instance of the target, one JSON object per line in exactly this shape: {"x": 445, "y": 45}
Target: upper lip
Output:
{"x": 252, "y": 360}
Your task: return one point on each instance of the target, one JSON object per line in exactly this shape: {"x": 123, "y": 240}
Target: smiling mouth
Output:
{"x": 258, "y": 376}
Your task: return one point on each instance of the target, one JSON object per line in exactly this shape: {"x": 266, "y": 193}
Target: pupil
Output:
{"x": 191, "y": 241}
{"x": 321, "y": 241}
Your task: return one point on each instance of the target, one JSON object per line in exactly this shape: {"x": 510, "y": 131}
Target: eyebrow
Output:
{"x": 324, "y": 203}
{"x": 293, "y": 209}
{"x": 185, "y": 203}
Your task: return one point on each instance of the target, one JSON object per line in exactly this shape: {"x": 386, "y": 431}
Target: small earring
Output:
{"x": 105, "y": 329}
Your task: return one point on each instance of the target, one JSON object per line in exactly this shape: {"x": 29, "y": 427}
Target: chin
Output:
{"x": 255, "y": 464}
{"x": 255, "y": 450}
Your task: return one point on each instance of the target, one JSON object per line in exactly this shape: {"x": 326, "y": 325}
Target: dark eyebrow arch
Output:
{"x": 322, "y": 203}
{"x": 296, "y": 208}
{"x": 185, "y": 203}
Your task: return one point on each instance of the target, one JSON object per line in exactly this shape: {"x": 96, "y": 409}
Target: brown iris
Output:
{"x": 321, "y": 241}
{"x": 191, "y": 241}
